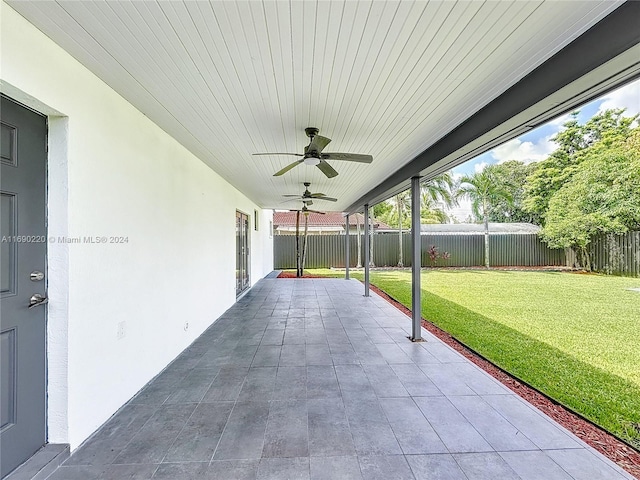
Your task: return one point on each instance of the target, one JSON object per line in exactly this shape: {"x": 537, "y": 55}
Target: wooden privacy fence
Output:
{"x": 616, "y": 254}
{"x": 325, "y": 251}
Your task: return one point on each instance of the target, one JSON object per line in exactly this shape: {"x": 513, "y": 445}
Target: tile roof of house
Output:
{"x": 329, "y": 219}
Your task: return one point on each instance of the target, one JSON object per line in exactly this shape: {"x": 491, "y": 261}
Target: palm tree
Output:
{"x": 371, "y": 262}
{"x": 482, "y": 190}
{"x": 438, "y": 190}
{"x": 433, "y": 213}
{"x": 433, "y": 193}
{"x": 403, "y": 201}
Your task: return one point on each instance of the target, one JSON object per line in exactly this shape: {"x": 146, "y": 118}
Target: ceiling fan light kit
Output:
{"x": 313, "y": 155}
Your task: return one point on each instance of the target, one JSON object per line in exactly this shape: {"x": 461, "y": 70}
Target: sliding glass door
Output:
{"x": 242, "y": 252}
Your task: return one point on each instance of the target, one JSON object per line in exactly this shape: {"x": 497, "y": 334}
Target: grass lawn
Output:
{"x": 574, "y": 337}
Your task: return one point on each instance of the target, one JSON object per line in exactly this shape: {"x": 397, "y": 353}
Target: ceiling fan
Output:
{"x": 307, "y": 197}
{"x": 306, "y": 211}
{"x": 313, "y": 155}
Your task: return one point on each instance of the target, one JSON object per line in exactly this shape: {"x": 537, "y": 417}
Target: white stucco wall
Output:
{"x": 112, "y": 172}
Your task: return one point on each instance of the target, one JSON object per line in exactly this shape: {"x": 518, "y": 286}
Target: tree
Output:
{"x": 370, "y": 233}
{"x": 383, "y": 211}
{"x": 601, "y": 131}
{"x": 483, "y": 191}
{"x": 603, "y": 196}
{"x": 439, "y": 189}
{"x": 403, "y": 202}
{"x": 511, "y": 177}
{"x": 389, "y": 213}
{"x": 434, "y": 195}
{"x": 392, "y": 212}
{"x": 433, "y": 215}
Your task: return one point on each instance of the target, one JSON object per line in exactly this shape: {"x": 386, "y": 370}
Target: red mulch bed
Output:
{"x": 290, "y": 274}
{"x": 615, "y": 450}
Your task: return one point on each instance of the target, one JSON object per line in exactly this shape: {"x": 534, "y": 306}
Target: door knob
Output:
{"x": 37, "y": 299}
{"x": 36, "y": 276}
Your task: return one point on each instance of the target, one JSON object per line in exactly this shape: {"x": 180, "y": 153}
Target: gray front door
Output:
{"x": 22, "y": 262}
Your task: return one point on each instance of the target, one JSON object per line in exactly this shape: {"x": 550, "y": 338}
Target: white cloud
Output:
{"x": 526, "y": 152}
{"x": 626, "y": 97}
{"x": 478, "y": 167}
{"x": 559, "y": 121}
{"x": 462, "y": 211}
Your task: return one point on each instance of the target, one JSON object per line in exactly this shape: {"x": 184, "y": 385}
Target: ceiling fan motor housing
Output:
{"x": 311, "y": 131}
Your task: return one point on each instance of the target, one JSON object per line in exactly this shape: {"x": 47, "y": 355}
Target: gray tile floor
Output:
{"x": 308, "y": 379}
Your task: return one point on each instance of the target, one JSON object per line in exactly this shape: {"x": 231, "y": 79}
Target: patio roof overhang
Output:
{"x": 419, "y": 85}
{"x": 600, "y": 60}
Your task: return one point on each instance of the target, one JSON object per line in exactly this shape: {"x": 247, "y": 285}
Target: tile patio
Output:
{"x": 308, "y": 379}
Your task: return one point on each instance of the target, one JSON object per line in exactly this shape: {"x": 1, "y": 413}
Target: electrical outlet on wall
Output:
{"x": 186, "y": 326}
{"x": 121, "y": 330}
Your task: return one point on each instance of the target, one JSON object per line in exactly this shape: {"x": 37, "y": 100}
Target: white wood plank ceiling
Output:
{"x": 386, "y": 78}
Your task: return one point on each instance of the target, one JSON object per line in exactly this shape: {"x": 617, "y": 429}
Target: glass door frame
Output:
{"x": 242, "y": 252}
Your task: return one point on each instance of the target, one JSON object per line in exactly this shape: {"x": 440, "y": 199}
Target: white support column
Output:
{"x": 367, "y": 252}
{"x": 416, "y": 260}
{"x": 347, "y": 244}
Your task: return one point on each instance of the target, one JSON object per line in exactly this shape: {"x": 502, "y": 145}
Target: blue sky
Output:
{"x": 537, "y": 145}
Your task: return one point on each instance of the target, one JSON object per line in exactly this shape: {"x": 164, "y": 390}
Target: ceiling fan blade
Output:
{"x": 280, "y": 153}
{"x": 307, "y": 211}
{"x": 318, "y": 143}
{"x": 330, "y": 199}
{"x": 290, "y": 195}
{"x": 287, "y": 168}
{"x": 348, "y": 157}
{"x": 322, "y": 196}
{"x": 327, "y": 169}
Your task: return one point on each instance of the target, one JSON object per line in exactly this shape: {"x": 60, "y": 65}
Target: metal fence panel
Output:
{"x": 463, "y": 250}
{"x": 323, "y": 251}
{"x": 523, "y": 250}
{"x": 386, "y": 247}
{"x": 284, "y": 251}
{"x": 326, "y": 251}
{"x": 612, "y": 254}
{"x": 616, "y": 254}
